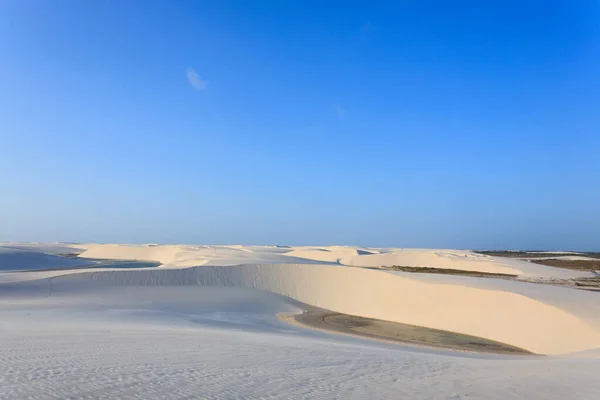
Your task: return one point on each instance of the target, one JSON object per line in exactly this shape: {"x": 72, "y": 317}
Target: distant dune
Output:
{"x": 526, "y": 321}
{"x": 206, "y": 320}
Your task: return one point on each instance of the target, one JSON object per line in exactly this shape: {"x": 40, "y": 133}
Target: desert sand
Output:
{"x": 204, "y": 323}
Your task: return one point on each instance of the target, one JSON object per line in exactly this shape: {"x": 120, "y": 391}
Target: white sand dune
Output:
{"x": 451, "y": 259}
{"x": 334, "y": 254}
{"x": 220, "y": 302}
{"x": 184, "y": 342}
{"x": 494, "y": 314}
{"x": 180, "y": 256}
{"x": 188, "y": 256}
{"x": 463, "y": 260}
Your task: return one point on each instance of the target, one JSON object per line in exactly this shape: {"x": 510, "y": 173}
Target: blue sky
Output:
{"x": 424, "y": 124}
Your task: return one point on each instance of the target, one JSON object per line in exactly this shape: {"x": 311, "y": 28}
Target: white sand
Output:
{"x": 451, "y": 259}
{"x": 210, "y": 331}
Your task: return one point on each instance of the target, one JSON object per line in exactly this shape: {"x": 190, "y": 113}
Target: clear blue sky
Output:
{"x": 470, "y": 124}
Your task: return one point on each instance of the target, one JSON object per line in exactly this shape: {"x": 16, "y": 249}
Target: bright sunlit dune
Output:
{"x": 222, "y": 304}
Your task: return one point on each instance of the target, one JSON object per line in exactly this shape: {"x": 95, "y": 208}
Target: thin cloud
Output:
{"x": 195, "y": 79}
{"x": 367, "y": 31}
{"x": 340, "y": 111}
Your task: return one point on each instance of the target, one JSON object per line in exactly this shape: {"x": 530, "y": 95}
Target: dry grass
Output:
{"x": 533, "y": 254}
{"x": 449, "y": 271}
{"x": 402, "y": 333}
{"x": 579, "y": 265}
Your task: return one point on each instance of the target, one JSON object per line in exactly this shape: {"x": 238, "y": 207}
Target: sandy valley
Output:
{"x": 139, "y": 321}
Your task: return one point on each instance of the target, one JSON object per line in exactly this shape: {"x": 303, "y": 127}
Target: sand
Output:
{"x": 399, "y": 333}
{"x": 204, "y": 324}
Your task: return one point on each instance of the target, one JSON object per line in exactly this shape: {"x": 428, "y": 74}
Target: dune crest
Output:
{"x": 493, "y": 314}
{"x": 523, "y": 315}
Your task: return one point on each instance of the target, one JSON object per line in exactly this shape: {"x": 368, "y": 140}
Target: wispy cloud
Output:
{"x": 339, "y": 110}
{"x": 367, "y": 31}
{"x": 195, "y": 79}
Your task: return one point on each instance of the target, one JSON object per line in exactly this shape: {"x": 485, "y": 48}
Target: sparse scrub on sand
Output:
{"x": 579, "y": 265}
{"x": 449, "y": 271}
{"x": 578, "y": 261}
{"x": 535, "y": 254}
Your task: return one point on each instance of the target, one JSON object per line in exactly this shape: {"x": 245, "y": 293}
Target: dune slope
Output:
{"x": 498, "y": 315}
{"x": 204, "y": 324}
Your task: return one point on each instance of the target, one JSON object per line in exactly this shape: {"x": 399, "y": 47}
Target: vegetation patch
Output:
{"x": 579, "y": 265}
{"x": 449, "y": 271}
{"x": 547, "y": 258}
{"x": 403, "y": 333}
{"x": 535, "y": 254}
